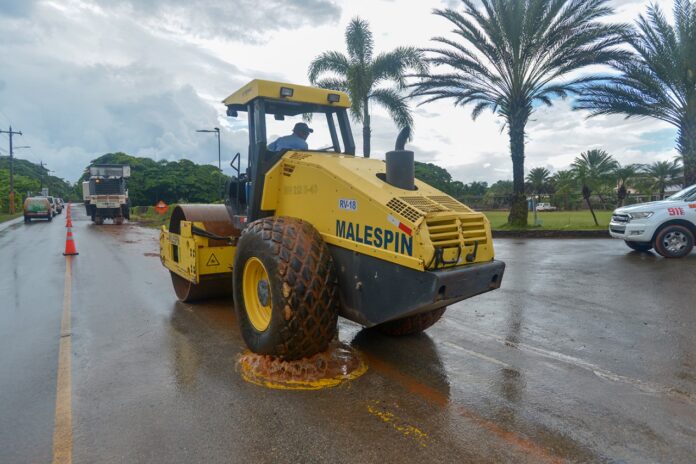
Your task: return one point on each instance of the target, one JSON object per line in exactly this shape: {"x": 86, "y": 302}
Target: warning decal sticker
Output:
{"x": 212, "y": 261}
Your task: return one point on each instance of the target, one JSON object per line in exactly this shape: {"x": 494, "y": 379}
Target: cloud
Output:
{"x": 241, "y": 20}
{"x": 85, "y": 77}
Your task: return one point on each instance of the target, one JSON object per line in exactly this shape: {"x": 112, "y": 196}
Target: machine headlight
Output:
{"x": 642, "y": 215}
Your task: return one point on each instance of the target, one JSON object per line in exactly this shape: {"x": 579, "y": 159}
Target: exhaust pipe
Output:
{"x": 401, "y": 170}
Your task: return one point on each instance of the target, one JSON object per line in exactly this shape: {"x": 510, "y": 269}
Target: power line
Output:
{"x": 9, "y": 122}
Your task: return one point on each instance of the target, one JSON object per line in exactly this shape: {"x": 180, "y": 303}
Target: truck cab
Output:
{"x": 668, "y": 226}
{"x": 106, "y": 193}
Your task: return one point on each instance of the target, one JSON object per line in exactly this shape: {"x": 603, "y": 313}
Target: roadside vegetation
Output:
{"x": 7, "y": 217}
{"x": 148, "y": 216}
{"x": 553, "y": 220}
{"x": 181, "y": 181}
{"x": 28, "y": 178}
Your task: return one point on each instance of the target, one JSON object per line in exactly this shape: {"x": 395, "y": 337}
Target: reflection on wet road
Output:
{"x": 586, "y": 354}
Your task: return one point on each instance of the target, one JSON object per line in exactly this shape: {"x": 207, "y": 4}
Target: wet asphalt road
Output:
{"x": 587, "y": 354}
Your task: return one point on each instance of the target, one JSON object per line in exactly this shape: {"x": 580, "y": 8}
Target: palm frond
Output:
{"x": 359, "y": 41}
{"x": 396, "y": 106}
{"x": 328, "y": 62}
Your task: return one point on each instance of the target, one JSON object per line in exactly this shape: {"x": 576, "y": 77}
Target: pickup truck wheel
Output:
{"x": 285, "y": 288}
{"x": 27, "y": 219}
{"x": 412, "y": 324}
{"x": 639, "y": 246}
{"x": 674, "y": 241}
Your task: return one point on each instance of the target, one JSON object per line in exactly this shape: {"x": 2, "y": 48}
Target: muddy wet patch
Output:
{"x": 338, "y": 364}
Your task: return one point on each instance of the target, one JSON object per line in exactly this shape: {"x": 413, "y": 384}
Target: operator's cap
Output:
{"x": 302, "y": 127}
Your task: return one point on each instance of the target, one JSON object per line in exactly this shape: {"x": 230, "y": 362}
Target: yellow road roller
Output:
{"x": 307, "y": 235}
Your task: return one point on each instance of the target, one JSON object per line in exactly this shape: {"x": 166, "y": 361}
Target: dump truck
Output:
{"x": 105, "y": 194}
{"x": 307, "y": 235}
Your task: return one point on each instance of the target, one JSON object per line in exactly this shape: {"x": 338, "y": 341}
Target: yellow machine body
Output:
{"x": 345, "y": 199}
{"x": 397, "y": 252}
{"x": 191, "y": 256}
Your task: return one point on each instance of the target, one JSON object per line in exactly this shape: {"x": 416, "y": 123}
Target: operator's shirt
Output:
{"x": 289, "y": 142}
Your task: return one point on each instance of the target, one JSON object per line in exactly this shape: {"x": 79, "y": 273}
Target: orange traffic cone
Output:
{"x": 70, "y": 244}
{"x": 68, "y": 223}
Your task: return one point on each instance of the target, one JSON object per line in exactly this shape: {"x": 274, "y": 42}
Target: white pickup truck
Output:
{"x": 545, "y": 207}
{"x": 669, "y": 225}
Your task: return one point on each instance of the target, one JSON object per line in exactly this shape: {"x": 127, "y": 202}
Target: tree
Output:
{"x": 657, "y": 80}
{"x": 592, "y": 169}
{"x": 169, "y": 181}
{"x": 663, "y": 174}
{"x": 360, "y": 75}
{"x": 564, "y": 183}
{"x": 538, "y": 179}
{"x": 512, "y": 54}
{"x": 625, "y": 175}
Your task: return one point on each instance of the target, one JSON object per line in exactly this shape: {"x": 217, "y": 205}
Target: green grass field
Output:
{"x": 149, "y": 217}
{"x": 6, "y": 217}
{"x": 555, "y": 220}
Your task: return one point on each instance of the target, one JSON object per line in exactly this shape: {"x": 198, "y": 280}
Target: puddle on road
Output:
{"x": 339, "y": 363}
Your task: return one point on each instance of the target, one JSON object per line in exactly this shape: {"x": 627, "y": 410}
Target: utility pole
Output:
{"x": 42, "y": 173}
{"x": 11, "y": 133}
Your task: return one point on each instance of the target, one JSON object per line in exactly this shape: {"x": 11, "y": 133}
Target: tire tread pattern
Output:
{"x": 308, "y": 280}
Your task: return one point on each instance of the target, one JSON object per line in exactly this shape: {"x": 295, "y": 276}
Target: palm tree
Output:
{"x": 625, "y": 175}
{"x": 663, "y": 174}
{"x": 593, "y": 169}
{"x": 538, "y": 179}
{"x": 564, "y": 183}
{"x": 658, "y": 80}
{"x": 509, "y": 55}
{"x": 360, "y": 75}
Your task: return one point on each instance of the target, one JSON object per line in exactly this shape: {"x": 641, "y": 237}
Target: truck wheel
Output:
{"x": 118, "y": 220}
{"x": 98, "y": 220}
{"x": 639, "y": 246}
{"x": 27, "y": 219}
{"x": 674, "y": 241}
{"x": 285, "y": 288}
{"x": 411, "y": 324}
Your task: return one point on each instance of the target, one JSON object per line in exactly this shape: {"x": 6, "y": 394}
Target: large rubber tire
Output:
{"x": 674, "y": 241}
{"x": 296, "y": 288}
{"x": 412, "y": 324}
{"x": 639, "y": 246}
{"x": 27, "y": 219}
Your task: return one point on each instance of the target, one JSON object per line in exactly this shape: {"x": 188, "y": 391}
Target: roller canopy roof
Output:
{"x": 287, "y": 99}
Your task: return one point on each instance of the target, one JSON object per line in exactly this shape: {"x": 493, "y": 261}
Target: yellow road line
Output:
{"x": 62, "y": 429}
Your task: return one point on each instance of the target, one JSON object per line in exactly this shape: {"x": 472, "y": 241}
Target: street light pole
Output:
{"x": 216, "y": 130}
{"x": 11, "y": 133}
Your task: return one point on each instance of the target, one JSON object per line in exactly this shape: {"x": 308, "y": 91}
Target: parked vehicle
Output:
{"x": 545, "y": 207}
{"x": 59, "y": 205}
{"x": 668, "y": 226}
{"x": 37, "y": 208}
{"x": 52, "y": 201}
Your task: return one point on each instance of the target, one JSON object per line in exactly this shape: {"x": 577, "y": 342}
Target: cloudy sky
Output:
{"x": 85, "y": 77}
